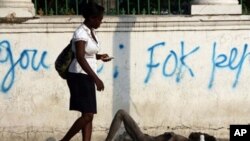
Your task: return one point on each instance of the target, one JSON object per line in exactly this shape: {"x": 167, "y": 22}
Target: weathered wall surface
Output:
{"x": 178, "y": 74}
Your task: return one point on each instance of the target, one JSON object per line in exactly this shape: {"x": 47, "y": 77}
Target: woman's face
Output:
{"x": 96, "y": 21}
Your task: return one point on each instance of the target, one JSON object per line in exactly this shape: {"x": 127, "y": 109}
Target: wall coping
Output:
{"x": 57, "y": 24}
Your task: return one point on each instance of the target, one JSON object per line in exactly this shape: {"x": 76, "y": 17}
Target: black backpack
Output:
{"x": 63, "y": 61}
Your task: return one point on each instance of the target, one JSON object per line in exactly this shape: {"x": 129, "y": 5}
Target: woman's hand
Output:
{"x": 105, "y": 57}
{"x": 99, "y": 84}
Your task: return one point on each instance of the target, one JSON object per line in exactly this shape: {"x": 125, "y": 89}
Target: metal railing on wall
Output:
{"x": 123, "y": 7}
{"x": 245, "y": 6}
{"x": 114, "y": 7}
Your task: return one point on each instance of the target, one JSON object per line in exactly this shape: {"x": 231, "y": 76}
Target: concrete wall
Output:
{"x": 178, "y": 74}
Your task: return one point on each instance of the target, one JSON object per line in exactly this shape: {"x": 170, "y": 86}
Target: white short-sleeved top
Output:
{"x": 83, "y": 33}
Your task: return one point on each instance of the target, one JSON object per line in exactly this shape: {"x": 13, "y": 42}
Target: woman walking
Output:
{"x": 82, "y": 76}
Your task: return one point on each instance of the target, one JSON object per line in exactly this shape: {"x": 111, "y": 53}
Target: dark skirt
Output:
{"x": 82, "y": 93}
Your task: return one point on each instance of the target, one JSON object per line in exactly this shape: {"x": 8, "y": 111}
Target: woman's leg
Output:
{"x": 87, "y": 131}
{"x": 79, "y": 124}
{"x": 130, "y": 126}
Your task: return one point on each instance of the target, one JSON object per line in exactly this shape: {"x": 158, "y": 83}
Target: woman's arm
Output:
{"x": 99, "y": 56}
{"x": 130, "y": 125}
{"x": 80, "y": 53}
{"x": 103, "y": 57}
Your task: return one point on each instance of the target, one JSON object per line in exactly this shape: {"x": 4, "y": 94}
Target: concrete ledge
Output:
{"x": 215, "y": 9}
{"x": 63, "y": 24}
{"x": 223, "y": 2}
{"x": 17, "y": 12}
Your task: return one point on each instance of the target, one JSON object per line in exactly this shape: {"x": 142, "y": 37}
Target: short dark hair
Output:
{"x": 167, "y": 135}
{"x": 91, "y": 9}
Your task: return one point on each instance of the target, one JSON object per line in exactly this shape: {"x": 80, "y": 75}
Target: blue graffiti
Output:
{"x": 180, "y": 64}
{"x": 175, "y": 64}
{"x": 27, "y": 58}
{"x": 151, "y": 64}
{"x": 183, "y": 64}
{"x": 224, "y": 61}
{"x": 121, "y": 46}
{"x": 116, "y": 72}
{"x": 99, "y": 69}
